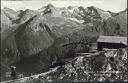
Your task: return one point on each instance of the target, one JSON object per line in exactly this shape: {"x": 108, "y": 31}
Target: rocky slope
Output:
{"x": 121, "y": 19}
{"x": 7, "y": 17}
{"x": 45, "y": 36}
{"x": 112, "y": 67}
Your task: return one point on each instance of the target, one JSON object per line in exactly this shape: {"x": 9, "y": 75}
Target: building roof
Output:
{"x": 113, "y": 39}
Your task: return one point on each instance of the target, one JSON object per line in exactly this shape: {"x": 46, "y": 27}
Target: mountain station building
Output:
{"x": 111, "y": 42}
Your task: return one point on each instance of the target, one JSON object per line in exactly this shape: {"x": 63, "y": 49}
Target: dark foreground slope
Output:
{"x": 87, "y": 69}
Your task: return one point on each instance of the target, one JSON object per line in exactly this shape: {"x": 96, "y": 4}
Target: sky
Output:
{"x": 112, "y": 5}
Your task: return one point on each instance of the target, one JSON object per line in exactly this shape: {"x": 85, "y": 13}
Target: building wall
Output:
{"x": 102, "y": 45}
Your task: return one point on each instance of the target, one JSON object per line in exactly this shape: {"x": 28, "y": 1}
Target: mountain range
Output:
{"x": 34, "y": 39}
